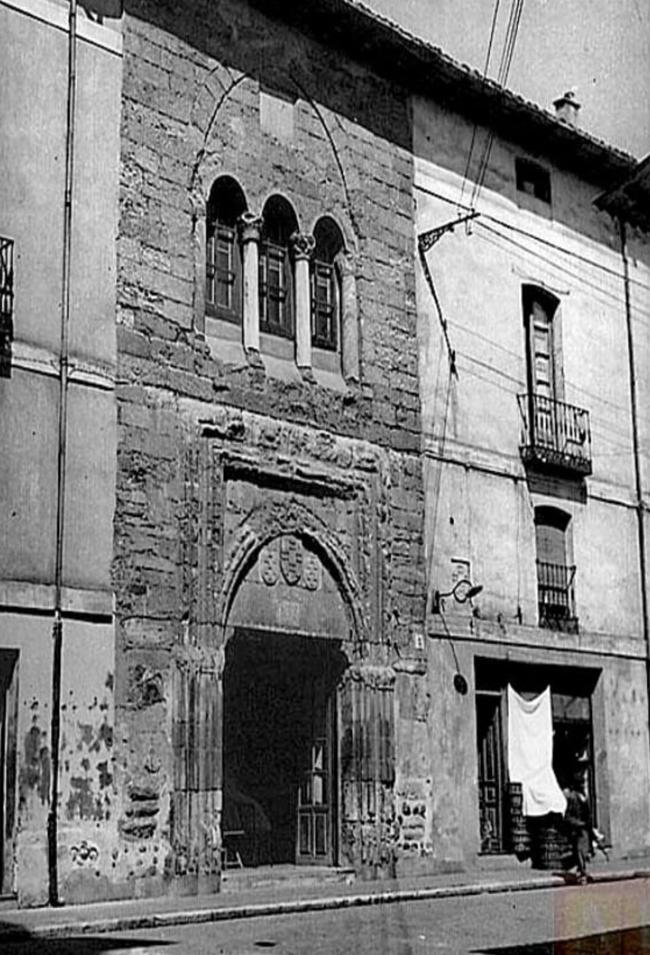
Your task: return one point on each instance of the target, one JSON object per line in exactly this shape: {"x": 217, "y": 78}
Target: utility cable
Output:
{"x": 610, "y": 296}
{"x": 532, "y": 235}
{"x": 475, "y": 127}
{"x": 426, "y": 241}
{"x": 442, "y": 439}
{"x": 512, "y": 30}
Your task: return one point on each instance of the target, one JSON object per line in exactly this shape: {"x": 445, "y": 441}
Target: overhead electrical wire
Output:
{"x": 608, "y": 438}
{"x": 611, "y": 296}
{"x": 427, "y": 240}
{"x": 518, "y": 356}
{"x": 512, "y": 30}
{"x": 516, "y": 9}
{"x": 602, "y": 427}
{"x": 495, "y": 15}
{"x": 484, "y": 216}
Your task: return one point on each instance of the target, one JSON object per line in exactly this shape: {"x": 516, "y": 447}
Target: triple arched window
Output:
{"x": 290, "y": 285}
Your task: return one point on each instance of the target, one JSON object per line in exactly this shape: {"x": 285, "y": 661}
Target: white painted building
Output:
{"x": 530, "y": 460}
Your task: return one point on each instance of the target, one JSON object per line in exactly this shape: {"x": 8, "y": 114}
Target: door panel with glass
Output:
{"x": 314, "y": 844}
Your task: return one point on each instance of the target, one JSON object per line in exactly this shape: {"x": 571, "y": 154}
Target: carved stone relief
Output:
{"x": 300, "y": 567}
{"x": 259, "y": 518}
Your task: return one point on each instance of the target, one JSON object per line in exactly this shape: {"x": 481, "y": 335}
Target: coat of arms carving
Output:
{"x": 311, "y": 576}
{"x": 291, "y": 559}
{"x": 270, "y": 564}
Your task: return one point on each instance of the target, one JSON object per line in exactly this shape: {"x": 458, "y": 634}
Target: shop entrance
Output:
{"x": 571, "y": 694}
{"x": 279, "y": 748}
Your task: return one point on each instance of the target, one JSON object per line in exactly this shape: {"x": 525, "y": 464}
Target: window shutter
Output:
{"x": 541, "y": 350}
{"x": 551, "y": 544}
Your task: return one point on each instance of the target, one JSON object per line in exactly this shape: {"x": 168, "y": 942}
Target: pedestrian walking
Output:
{"x": 578, "y": 825}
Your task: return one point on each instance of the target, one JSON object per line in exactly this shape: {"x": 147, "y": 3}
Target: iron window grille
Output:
{"x": 6, "y": 305}
{"x": 324, "y": 306}
{"x": 275, "y": 313}
{"x": 556, "y": 435}
{"x": 556, "y": 601}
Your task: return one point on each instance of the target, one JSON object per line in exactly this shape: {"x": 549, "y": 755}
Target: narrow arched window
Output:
{"x": 326, "y": 285}
{"x": 223, "y": 266}
{"x": 276, "y": 278}
{"x": 555, "y": 572}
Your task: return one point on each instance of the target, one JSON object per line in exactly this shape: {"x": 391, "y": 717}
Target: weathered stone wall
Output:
{"x": 343, "y": 460}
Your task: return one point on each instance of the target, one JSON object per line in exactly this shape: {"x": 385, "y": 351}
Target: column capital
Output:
{"x": 250, "y": 226}
{"x": 345, "y": 260}
{"x": 302, "y": 245}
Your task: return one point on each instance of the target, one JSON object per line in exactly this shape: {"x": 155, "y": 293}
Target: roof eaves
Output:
{"x": 630, "y": 199}
{"x": 425, "y": 68}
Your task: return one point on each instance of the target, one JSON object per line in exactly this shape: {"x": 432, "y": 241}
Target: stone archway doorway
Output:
{"x": 283, "y": 664}
{"x": 280, "y": 793}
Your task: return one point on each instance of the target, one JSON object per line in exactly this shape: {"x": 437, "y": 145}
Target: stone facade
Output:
{"x": 225, "y": 455}
{"x": 232, "y": 488}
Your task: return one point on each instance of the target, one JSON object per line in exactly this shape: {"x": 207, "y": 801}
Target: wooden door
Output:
{"x": 490, "y": 771}
{"x": 316, "y": 792}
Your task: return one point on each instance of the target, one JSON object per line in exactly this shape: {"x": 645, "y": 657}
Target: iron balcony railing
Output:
{"x": 555, "y": 435}
{"x": 6, "y": 304}
{"x": 555, "y": 597}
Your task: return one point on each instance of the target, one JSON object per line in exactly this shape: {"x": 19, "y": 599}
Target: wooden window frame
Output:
{"x": 278, "y": 294}
{"x": 230, "y": 277}
{"x": 325, "y": 310}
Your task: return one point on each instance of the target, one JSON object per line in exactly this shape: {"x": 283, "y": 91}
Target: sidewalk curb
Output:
{"x": 19, "y": 931}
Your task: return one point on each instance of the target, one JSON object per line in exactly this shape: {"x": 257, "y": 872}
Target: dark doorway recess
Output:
{"x": 572, "y": 690}
{"x": 279, "y": 747}
{"x": 491, "y": 771}
{"x": 8, "y": 732}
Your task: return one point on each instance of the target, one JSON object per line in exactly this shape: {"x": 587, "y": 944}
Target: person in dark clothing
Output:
{"x": 579, "y": 826}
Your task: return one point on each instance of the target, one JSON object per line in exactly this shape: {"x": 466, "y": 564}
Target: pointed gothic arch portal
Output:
{"x": 284, "y": 659}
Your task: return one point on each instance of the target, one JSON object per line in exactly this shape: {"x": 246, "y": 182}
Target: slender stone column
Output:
{"x": 349, "y": 317}
{"x": 250, "y": 227}
{"x": 198, "y": 252}
{"x": 303, "y": 247}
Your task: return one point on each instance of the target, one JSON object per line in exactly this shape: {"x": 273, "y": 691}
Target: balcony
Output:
{"x": 556, "y": 436}
{"x": 555, "y": 597}
{"x": 6, "y": 305}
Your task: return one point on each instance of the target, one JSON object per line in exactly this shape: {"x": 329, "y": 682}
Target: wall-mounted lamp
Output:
{"x": 462, "y": 591}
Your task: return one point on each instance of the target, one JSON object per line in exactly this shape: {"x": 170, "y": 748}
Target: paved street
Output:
{"x": 605, "y": 919}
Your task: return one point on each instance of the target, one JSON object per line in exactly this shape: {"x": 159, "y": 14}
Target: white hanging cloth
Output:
{"x": 530, "y": 753}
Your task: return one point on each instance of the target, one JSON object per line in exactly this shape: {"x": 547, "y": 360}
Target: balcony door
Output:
{"x": 542, "y": 362}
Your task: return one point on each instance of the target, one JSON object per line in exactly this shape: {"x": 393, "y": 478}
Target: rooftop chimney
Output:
{"x": 566, "y": 108}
